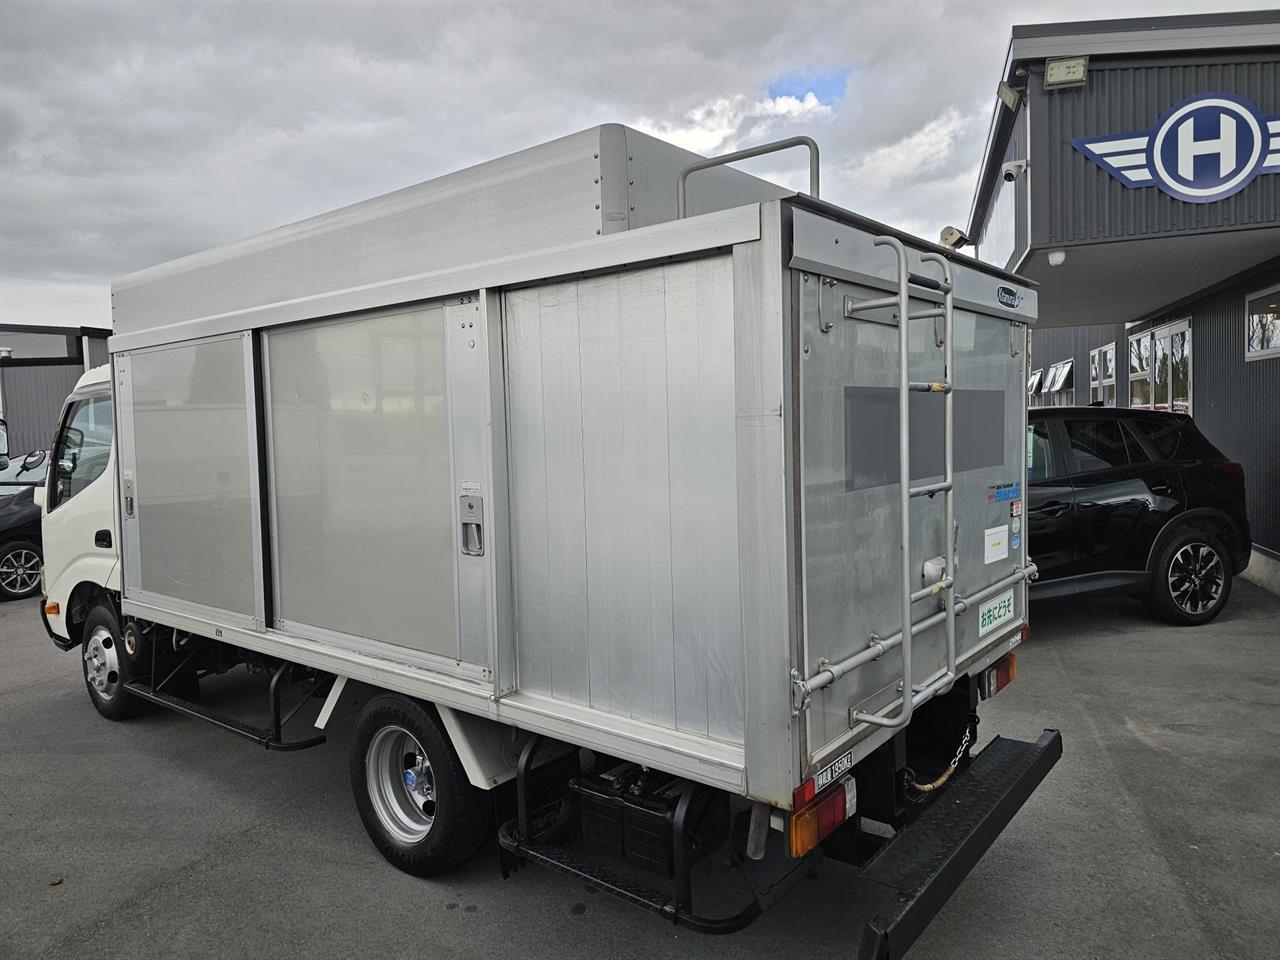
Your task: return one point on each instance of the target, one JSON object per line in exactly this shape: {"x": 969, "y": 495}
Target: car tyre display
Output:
{"x": 1190, "y": 579}
{"x": 19, "y": 570}
{"x": 410, "y": 789}
{"x": 105, "y": 665}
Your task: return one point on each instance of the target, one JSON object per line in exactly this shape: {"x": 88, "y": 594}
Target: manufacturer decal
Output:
{"x": 837, "y": 767}
{"x": 1004, "y": 492}
{"x": 1205, "y": 148}
{"x": 1008, "y": 297}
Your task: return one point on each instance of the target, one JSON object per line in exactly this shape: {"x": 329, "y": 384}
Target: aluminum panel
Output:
{"x": 623, "y": 497}
{"x": 361, "y": 479}
{"x": 196, "y": 495}
{"x": 851, "y": 593}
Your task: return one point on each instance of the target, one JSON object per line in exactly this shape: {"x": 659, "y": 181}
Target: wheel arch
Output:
{"x": 1210, "y": 519}
{"x": 83, "y": 598}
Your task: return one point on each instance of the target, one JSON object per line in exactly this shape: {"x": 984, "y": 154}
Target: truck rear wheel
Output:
{"x": 412, "y": 793}
{"x": 105, "y": 666}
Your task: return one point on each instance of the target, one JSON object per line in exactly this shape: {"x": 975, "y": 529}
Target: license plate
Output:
{"x": 994, "y": 612}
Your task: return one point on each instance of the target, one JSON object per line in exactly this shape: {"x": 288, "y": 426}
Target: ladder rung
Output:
{"x": 928, "y": 314}
{"x": 929, "y": 283}
{"x": 931, "y": 488}
{"x": 930, "y": 386}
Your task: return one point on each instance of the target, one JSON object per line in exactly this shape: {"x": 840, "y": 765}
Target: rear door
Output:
{"x": 1123, "y": 497}
{"x": 1051, "y": 505}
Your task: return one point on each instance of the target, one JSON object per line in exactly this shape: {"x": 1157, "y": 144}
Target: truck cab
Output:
{"x": 81, "y": 558}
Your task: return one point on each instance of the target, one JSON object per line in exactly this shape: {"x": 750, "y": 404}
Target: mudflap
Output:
{"x": 911, "y": 878}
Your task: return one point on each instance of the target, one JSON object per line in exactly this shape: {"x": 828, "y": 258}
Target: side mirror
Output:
{"x": 33, "y": 459}
{"x": 4, "y": 445}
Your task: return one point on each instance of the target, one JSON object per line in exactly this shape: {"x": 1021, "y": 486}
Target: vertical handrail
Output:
{"x": 948, "y": 448}
{"x": 772, "y": 147}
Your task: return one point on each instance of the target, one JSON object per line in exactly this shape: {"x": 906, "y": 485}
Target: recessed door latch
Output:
{"x": 471, "y": 516}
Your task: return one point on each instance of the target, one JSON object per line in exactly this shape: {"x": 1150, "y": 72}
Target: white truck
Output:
{"x": 666, "y": 511}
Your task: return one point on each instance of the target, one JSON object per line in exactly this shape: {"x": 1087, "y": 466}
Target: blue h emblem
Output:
{"x": 1203, "y": 149}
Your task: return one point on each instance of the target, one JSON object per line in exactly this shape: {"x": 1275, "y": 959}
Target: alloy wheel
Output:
{"x": 1196, "y": 578}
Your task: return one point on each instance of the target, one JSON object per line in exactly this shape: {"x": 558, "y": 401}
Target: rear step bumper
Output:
{"x": 916, "y": 872}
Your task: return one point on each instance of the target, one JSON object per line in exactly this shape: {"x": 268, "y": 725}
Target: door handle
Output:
{"x": 471, "y": 512}
{"x": 1054, "y": 508}
{"x": 1161, "y": 488}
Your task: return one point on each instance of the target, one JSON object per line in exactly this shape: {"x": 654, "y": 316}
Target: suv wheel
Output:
{"x": 1191, "y": 579}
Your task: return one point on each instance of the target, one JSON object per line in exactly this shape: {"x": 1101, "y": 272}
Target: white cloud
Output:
{"x": 924, "y": 154}
{"x": 50, "y": 303}
{"x": 729, "y": 123}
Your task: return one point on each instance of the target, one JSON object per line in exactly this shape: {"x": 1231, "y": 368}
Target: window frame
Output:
{"x": 1169, "y": 328}
{"x": 1271, "y": 352}
{"x": 1097, "y": 359}
{"x": 52, "y": 501}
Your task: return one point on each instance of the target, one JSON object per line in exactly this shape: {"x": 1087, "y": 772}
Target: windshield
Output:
{"x": 25, "y": 471}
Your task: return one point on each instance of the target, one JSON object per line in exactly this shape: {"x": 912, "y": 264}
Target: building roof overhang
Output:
{"x": 1094, "y": 38}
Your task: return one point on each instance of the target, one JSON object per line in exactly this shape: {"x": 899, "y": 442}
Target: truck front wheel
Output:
{"x": 412, "y": 793}
{"x": 105, "y": 665}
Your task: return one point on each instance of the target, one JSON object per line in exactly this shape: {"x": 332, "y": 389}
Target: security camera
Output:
{"x": 1012, "y": 170}
{"x": 953, "y": 238}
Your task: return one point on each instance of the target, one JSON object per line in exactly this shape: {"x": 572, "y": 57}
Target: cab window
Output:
{"x": 82, "y": 449}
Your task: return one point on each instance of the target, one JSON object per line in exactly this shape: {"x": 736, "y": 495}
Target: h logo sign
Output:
{"x": 1178, "y": 155}
{"x": 1223, "y": 145}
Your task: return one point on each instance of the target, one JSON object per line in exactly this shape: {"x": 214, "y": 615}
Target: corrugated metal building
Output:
{"x": 1132, "y": 168}
{"x": 38, "y": 368}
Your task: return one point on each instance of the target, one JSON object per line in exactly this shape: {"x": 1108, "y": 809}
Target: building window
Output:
{"x": 1160, "y": 368}
{"x": 1102, "y": 375}
{"x": 1033, "y": 388}
{"x": 1059, "y": 385}
{"x": 1262, "y": 324}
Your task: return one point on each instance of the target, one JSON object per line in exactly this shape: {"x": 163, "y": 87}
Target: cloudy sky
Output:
{"x": 133, "y": 133}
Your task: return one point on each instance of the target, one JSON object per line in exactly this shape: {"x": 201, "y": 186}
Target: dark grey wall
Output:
{"x": 1075, "y": 201}
{"x": 1236, "y": 403}
{"x": 1050, "y": 345}
{"x": 33, "y": 397}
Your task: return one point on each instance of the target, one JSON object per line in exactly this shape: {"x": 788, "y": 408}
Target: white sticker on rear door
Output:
{"x": 996, "y": 543}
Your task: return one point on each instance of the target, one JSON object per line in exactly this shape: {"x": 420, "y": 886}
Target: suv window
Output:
{"x": 1174, "y": 438}
{"x": 82, "y": 450}
{"x": 1100, "y": 445}
{"x": 1039, "y": 452}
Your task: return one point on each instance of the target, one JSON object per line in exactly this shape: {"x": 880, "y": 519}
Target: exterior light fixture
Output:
{"x": 1057, "y": 258}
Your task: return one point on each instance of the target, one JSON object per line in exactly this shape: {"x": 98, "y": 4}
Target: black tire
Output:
{"x": 20, "y": 562}
{"x": 105, "y": 665}
{"x": 389, "y": 806}
{"x": 1190, "y": 578}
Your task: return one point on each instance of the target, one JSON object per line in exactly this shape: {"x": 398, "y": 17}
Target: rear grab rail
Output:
{"x": 771, "y": 147}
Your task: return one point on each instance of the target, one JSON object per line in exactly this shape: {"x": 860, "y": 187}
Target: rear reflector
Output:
{"x": 822, "y": 815}
{"x": 999, "y": 675}
{"x": 1232, "y": 468}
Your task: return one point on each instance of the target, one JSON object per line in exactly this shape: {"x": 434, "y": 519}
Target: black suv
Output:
{"x": 1138, "y": 501}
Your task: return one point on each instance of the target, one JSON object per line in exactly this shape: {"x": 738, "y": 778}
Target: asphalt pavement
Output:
{"x": 1156, "y": 836}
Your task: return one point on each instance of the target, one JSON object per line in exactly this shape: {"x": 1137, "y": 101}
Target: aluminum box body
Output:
{"x": 616, "y": 490}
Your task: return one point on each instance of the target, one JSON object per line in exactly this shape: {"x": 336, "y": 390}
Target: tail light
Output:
{"x": 998, "y": 676}
{"x": 820, "y": 817}
{"x": 1231, "y": 468}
